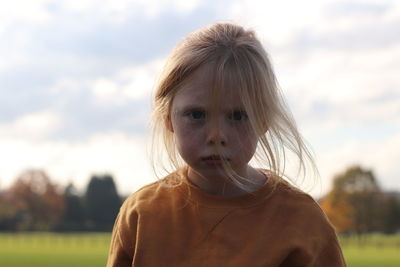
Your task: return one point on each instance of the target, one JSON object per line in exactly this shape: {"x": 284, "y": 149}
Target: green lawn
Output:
{"x": 90, "y": 249}
{"x": 374, "y": 250}
{"x": 372, "y": 257}
{"x": 58, "y": 250}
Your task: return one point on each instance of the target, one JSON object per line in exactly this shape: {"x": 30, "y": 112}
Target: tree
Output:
{"x": 74, "y": 214}
{"x": 339, "y": 212}
{"x": 8, "y": 212}
{"x": 353, "y": 203}
{"x": 38, "y": 203}
{"x": 102, "y": 201}
{"x": 391, "y": 213}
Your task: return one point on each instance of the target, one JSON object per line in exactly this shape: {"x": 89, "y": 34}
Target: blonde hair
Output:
{"x": 235, "y": 53}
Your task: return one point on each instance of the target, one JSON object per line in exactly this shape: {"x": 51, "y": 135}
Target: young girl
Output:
{"x": 217, "y": 105}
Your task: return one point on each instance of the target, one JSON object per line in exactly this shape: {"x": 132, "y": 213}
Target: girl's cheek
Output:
{"x": 245, "y": 134}
{"x": 185, "y": 129}
{"x": 189, "y": 127}
{"x": 187, "y": 133}
{"x": 248, "y": 142}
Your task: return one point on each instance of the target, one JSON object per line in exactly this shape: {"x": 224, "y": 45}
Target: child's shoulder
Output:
{"x": 293, "y": 194}
{"x": 155, "y": 192}
{"x": 301, "y": 207}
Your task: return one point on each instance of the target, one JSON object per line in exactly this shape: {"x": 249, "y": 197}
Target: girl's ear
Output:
{"x": 168, "y": 123}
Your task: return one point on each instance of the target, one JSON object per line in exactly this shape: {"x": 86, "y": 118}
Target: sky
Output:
{"x": 77, "y": 79}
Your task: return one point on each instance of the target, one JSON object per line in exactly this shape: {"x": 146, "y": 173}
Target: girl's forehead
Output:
{"x": 203, "y": 77}
{"x": 201, "y": 85}
{"x": 202, "y": 93}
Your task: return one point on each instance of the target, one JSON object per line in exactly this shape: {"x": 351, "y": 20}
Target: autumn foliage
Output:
{"x": 356, "y": 204}
{"x": 37, "y": 201}
{"x": 339, "y": 211}
{"x": 34, "y": 202}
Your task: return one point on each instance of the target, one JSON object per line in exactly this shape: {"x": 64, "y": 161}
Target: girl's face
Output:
{"x": 209, "y": 131}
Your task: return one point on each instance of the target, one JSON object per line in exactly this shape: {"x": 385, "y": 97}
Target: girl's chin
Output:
{"x": 210, "y": 172}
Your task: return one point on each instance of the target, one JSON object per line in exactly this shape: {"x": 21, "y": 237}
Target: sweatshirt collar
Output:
{"x": 197, "y": 195}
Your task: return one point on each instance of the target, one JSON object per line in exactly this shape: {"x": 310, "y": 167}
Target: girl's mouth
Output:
{"x": 214, "y": 160}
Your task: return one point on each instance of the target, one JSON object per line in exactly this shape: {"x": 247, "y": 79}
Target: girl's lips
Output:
{"x": 214, "y": 160}
{"x": 215, "y": 157}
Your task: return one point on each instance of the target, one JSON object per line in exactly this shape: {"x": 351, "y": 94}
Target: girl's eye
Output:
{"x": 238, "y": 115}
{"x": 196, "y": 114}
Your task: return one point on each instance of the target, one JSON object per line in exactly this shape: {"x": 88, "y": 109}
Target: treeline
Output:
{"x": 356, "y": 204}
{"x": 34, "y": 203}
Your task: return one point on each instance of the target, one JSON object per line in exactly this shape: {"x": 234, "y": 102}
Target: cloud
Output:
{"x": 276, "y": 21}
{"x": 84, "y": 41}
{"x": 344, "y": 87}
{"x": 347, "y": 26}
{"x": 117, "y": 11}
{"x": 380, "y": 155}
{"x": 24, "y": 11}
{"x": 123, "y": 156}
{"x": 34, "y": 126}
{"x": 339, "y": 9}
{"x": 86, "y": 104}
{"x": 132, "y": 83}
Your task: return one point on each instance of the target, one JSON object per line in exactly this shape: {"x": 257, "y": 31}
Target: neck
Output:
{"x": 222, "y": 186}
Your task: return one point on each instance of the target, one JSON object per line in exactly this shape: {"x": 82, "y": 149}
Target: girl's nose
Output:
{"x": 217, "y": 134}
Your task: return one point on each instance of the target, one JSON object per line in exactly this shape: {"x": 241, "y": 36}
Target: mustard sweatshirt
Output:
{"x": 184, "y": 226}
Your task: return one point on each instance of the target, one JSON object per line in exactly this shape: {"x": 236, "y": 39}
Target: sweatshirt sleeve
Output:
{"x": 330, "y": 254}
{"x": 123, "y": 238}
{"x": 315, "y": 240}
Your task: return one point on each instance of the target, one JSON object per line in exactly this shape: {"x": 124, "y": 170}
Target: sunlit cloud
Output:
{"x": 33, "y": 126}
{"x": 24, "y": 11}
{"x": 379, "y": 156}
{"x": 117, "y": 11}
{"x": 129, "y": 84}
{"x": 121, "y": 155}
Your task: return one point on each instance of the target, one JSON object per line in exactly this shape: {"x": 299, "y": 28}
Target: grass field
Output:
{"x": 55, "y": 250}
{"x": 90, "y": 249}
{"x": 372, "y": 251}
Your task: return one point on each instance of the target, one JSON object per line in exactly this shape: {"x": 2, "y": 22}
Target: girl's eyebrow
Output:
{"x": 192, "y": 106}
{"x": 197, "y": 106}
